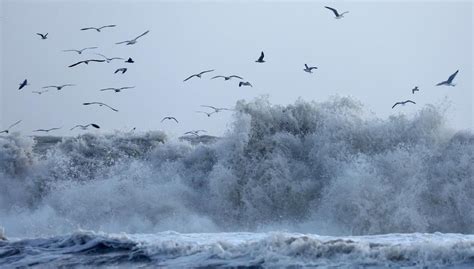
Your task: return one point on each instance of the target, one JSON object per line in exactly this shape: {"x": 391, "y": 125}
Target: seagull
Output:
{"x": 170, "y": 118}
{"x": 46, "y": 130}
{"x": 133, "y": 41}
{"x": 227, "y": 77}
{"x": 99, "y": 28}
{"x": 130, "y": 60}
{"x": 415, "y": 90}
{"x": 40, "y": 92}
{"x": 309, "y": 69}
{"x": 9, "y": 127}
{"x": 60, "y": 87}
{"x": 84, "y": 127}
{"x": 207, "y": 113}
{"x": 403, "y": 103}
{"x": 338, "y": 16}
{"x": 117, "y": 89}
{"x": 449, "y": 82}
{"x": 43, "y": 36}
{"x": 81, "y": 50}
{"x": 23, "y": 84}
{"x": 100, "y": 104}
{"x": 245, "y": 84}
{"x": 199, "y": 74}
{"x": 216, "y": 109}
{"x": 260, "y": 59}
{"x": 87, "y": 62}
{"x": 123, "y": 70}
{"x": 108, "y": 60}
{"x": 195, "y": 132}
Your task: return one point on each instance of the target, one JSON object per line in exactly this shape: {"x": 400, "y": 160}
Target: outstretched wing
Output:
{"x": 88, "y": 28}
{"x": 142, "y": 34}
{"x": 217, "y": 77}
{"x": 261, "y": 56}
{"x": 441, "y": 83}
{"x": 397, "y": 103}
{"x": 410, "y": 101}
{"x": 189, "y": 77}
{"x": 126, "y": 41}
{"x": 14, "y": 124}
{"x": 207, "y": 71}
{"x": 234, "y": 76}
{"x": 450, "y": 79}
{"x": 105, "y": 26}
{"x": 333, "y": 10}
{"x": 72, "y": 65}
{"x": 209, "y": 107}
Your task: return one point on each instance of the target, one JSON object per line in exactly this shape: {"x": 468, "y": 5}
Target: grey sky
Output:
{"x": 376, "y": 54}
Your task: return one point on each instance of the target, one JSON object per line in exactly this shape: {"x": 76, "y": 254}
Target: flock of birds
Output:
{"x": 242, "y": 82}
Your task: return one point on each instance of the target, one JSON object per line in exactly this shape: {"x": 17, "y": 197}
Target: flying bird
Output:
{"x": 108, "y": 60}
{"x": 84, "y": 127}
{"x": 309, "y": 69}
{"x": 9, "y": 127}
{"x": 169, "y": 118}
{"x": 100, "y": 104}
{"x": 246, "y": 83}
{"x": 130, "y": 60}
{"x": 338, "y": 16}
{"x": 87, "y": 62}
{"x": 133, "y": 41}
{"x": 117, "y": 89}
{"x": 195, "y": 132}
{"x": 403, "y": 103}
{"x": 199, "y": 74}
{"x": 59, "y": 87}
{"x": 47, "y": 130}
{"x": 207, "y": 113}
{"x": 260, "y": 59}
{"x": 43, "y": 36}
{"x": 40, "y": 92}
{"x": 123, "y": 70}
{"x": 449, "y": 82}
{"x": 216, "y": 109}
{"x": 80, "y": 51}
{"x": 415, "y": 90}
{"x": 23, "y": 84}
{"x": 227, "y": 77}
{"x": 98, "y": 28}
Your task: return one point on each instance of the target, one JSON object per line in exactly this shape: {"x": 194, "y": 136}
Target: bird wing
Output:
{"x": 397, "y": 103}
{"x": 410, "y": 101}
{"x": 45, "y": 87}
{"x": 209, "y": 107}
{"x": 450, "y": 79}
{"x": 234, "y": 76}
{"x": 217, "y": 77}
{"x": 14, "y": 124}
{"x": 116, "y": 110}
{"x": 72, "y": 65}
{"x": 66, "y": 85}
{"x": 107, "y": 89}
{"x": 75, "y": 127}
{"x": 125, "y": 88}
{"x": 141, "y": 35}
{"x": 305, "y": 65}
{"x": 126, "y": 41}
{"x": 261, "y": 56}
{"x": 40, "y": 34}
{"x": 98, "y": 61}
{"x": 333, "y": 10}
{"x": 189, "y": 77}
{"x": 88, "y": 28}
{"x": 105, "y": 26}
{"x": 441, "y": 83}
{"x": 70, "y": 50}
{"x": 89, "y": 48}
{"x": 207, "y": 71}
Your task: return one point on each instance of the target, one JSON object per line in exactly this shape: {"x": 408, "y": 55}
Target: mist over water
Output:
{"x": 321, "y": 167}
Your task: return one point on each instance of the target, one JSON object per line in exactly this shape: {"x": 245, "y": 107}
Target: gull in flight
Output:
{"x": 123, "y": 70}
{"x": 40, "y": 92}
{"x": 338, "y": 16}
{"x": 403, "y": 103}
{"x": 199, "y": 74}
{"x": 9, "y": 127}
{"x": 81, "y": 50}
{"x": 169, "y": 118}
{"x": 207, "y": 113}
{"x": 117, "y": 89}
{"x": 133, "y": 41}
{"x": 87, "y": 62}
{"x": 195, "y": 132}
{"x": 309, "y": 69}
{"x": 260, "y": 59}
{"x": 100, "y": 104}
{"x": 84, "y": 127}
{"x": 227, "y": 77}
{"x": 43, "y": 36}
{"x": 130, "y": 60}
{"x": 415, "y": 90}
{"x": 216, "y": 109}
{"x": 108, "y": 60}
{"x": 449, "y": 82}
{"x": 59, "y": 87}
{"x": 23, "y": 84}
{"x": 47, "y": 130}
{"x": 98, "y": 28}
{"x": 246, "y": 83}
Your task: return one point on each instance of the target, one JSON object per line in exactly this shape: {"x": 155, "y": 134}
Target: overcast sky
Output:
{"x": 376, "y": 54}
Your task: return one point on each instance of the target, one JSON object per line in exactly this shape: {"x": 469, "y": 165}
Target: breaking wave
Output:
{"x": 327, "y": 168}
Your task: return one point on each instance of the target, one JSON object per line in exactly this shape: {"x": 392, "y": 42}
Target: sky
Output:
{"x": 376, "y": 54}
